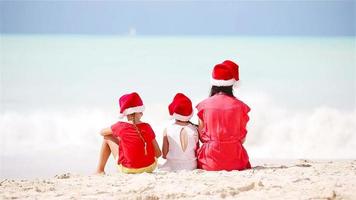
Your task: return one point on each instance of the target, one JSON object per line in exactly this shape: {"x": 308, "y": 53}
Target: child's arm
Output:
{"x": 200, "y": 128}
{"x": 165, "y": 145}
{"x": 156, "y": 147}
{"x": 106, "y": 131}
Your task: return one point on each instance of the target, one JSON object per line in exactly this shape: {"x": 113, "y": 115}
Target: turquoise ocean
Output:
{"x": 58, "y": 91}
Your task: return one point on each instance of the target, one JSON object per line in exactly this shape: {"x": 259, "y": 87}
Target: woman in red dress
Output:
{"x": 222, "y": 123}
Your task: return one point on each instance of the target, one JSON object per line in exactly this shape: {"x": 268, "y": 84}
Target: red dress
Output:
{"x": 224, "y": 120}
{"x": 131, "y": 147}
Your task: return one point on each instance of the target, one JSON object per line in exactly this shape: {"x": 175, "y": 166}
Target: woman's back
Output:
{"x": 223, "y": 116}
{"x": 224, "y": 120}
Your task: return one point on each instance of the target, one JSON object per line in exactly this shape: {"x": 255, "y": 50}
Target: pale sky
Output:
{"x": 301, "y": 18}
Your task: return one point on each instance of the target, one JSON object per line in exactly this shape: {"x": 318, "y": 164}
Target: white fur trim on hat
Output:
{"x": 182, "y": 117}
{"x": 131, "y": 110}
{"x": 236, "y": 85}
{"x": 219, "y": 83}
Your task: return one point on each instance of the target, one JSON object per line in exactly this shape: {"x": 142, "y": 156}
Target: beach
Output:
{"x": 64, "y": 66}
{"x": 300, "y": 179}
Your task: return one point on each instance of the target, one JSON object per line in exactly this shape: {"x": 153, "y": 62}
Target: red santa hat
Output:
{"x": 181, "y": 108}
{"x": 131, "y": 103}
{"x": 225, "y": 74}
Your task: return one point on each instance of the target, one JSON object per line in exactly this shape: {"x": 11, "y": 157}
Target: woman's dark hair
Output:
{"x": 224, "y": 89}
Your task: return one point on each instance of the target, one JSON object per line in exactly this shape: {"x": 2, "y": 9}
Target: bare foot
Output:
{"x": 99, "y": 173}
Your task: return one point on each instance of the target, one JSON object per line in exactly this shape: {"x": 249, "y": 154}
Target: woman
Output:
{"x": 222, "y": 123}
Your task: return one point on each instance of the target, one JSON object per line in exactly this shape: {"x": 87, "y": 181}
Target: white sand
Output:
{"x": 298, "y": 180}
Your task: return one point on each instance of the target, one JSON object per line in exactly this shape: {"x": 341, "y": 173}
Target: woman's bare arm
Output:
{"x": 200, "y": 128}
{"x": 200, "y": 125}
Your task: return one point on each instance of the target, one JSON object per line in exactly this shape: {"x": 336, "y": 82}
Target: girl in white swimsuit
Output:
{"x": 180, "y": 139}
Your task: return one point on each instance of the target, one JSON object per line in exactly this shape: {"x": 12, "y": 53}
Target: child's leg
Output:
{"x": 109, "y": 145}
